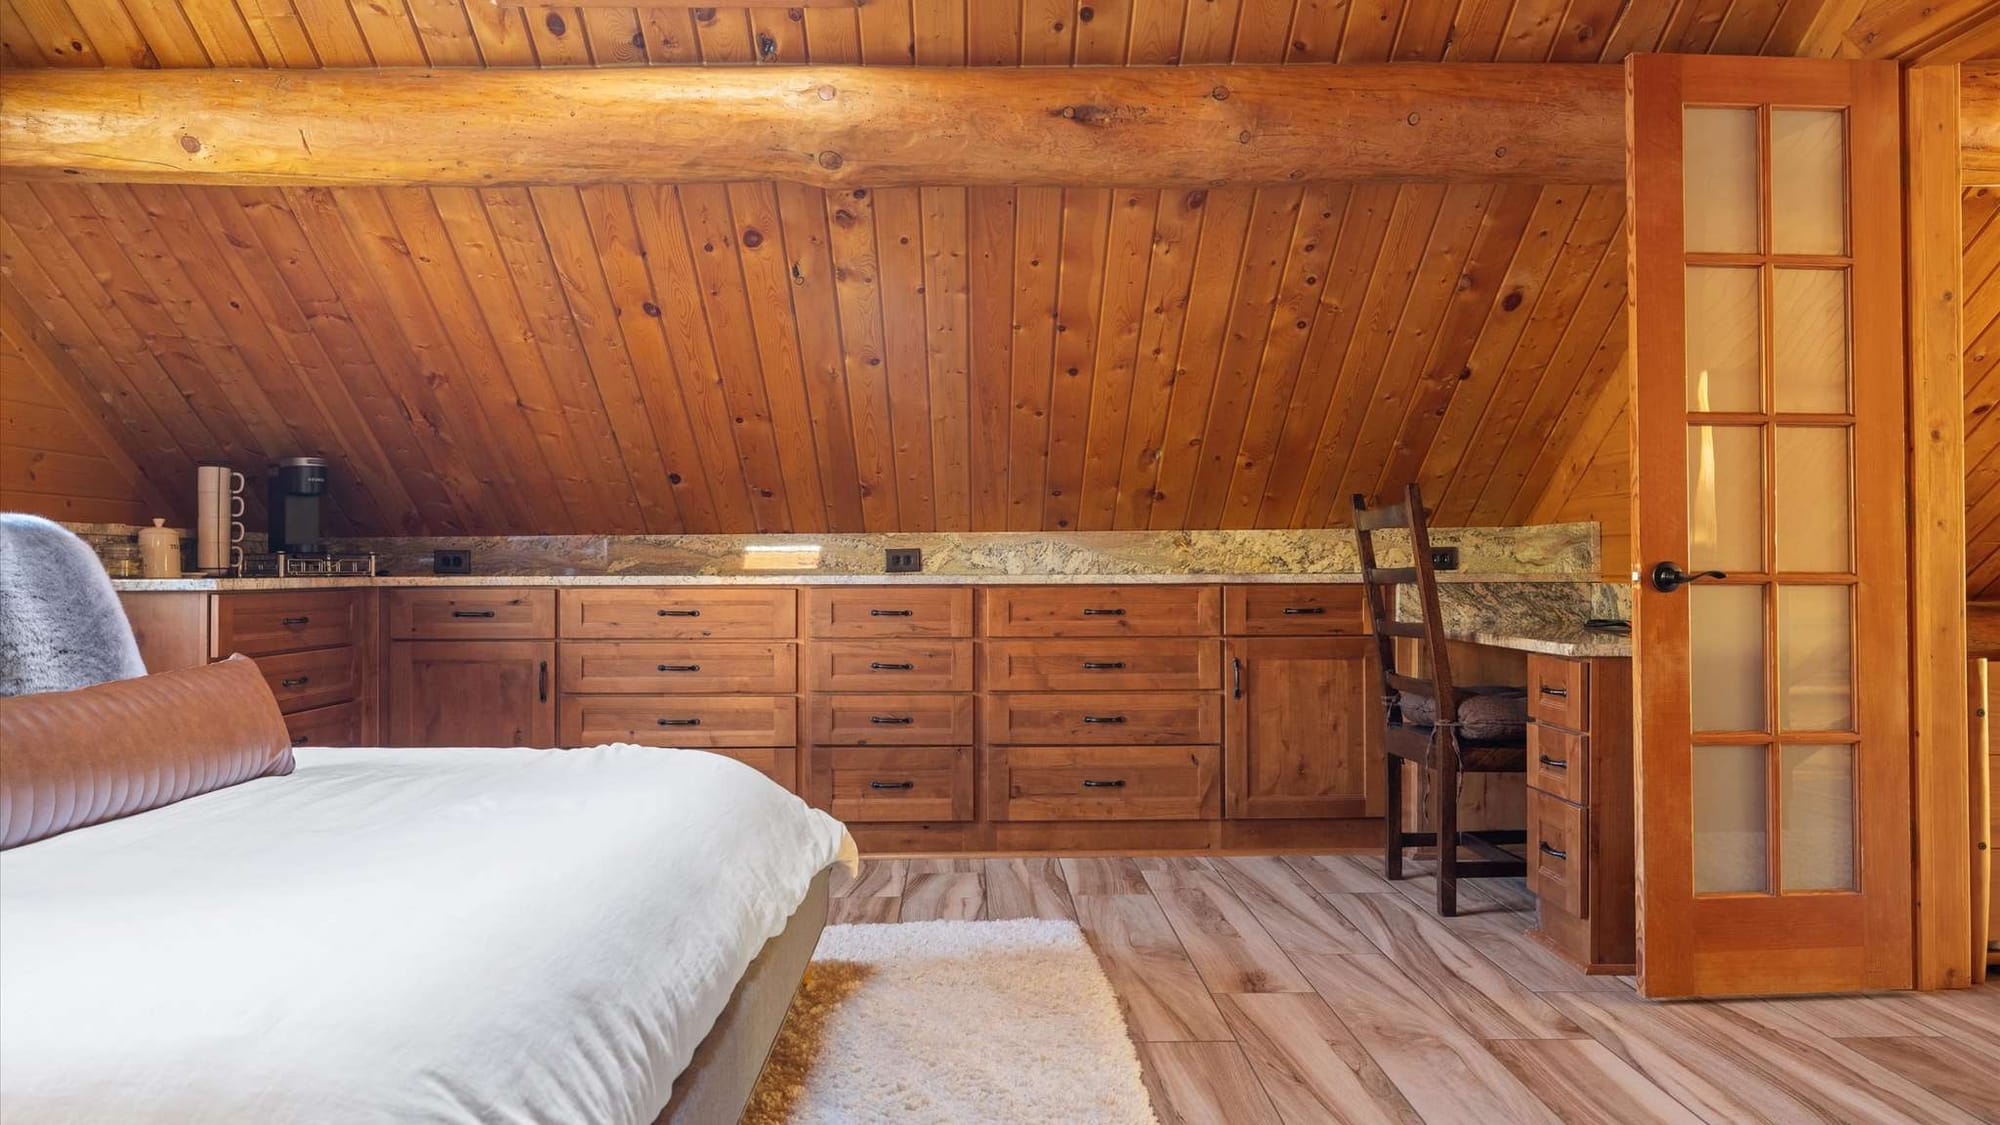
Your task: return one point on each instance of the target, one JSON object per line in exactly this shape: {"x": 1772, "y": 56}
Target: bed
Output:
{"x": 398, "y": 935}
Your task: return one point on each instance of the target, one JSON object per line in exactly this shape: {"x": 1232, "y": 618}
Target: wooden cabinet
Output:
{"x": 1304, "y": 726}
{"x": 470, "y": 613}
{"x": 1100, "y": 611}
{"x": 472, "y": 693}
{"x": 889, "y": 611}
{"x": 679, "y": 612}
{"x": 256, "y": 624}
{"x": 1580, "y": 840}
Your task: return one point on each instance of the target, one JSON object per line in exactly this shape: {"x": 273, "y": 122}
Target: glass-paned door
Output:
{"x": 1768, "y": 398}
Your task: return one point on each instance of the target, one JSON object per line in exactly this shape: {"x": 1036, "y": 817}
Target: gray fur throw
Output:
{"x": 61, "y": 626}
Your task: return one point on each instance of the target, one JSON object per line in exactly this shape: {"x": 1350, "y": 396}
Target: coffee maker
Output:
{"x": 296, "y": 486}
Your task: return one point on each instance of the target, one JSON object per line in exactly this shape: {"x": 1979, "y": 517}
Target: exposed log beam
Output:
{"x": 826, "y": 126}
{"x": 1979, "y": 124}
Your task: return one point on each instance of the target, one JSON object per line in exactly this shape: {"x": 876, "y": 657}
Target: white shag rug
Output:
{"x": 955, "y": 1022}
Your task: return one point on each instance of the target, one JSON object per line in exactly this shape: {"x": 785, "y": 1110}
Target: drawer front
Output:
{"x": 338, "y": 725}
{"x": 1105, "y": 719}
{"x": 891, "y": 720}
{"x": 779, "y": 763}
{"x": 1167, "y": 664}
{"x": 305, "y": 680}
{"x": 889, "y": 611}
{"x": 1559, "y": 692}
{"x": 286, "y": 621}
{"x": 472, "y": 614}
{"x": 1292, "y": 611}
{"x": 875, "y": 667}
{"x": 1099, "y": 783}
{"x": 1558, "y": 853}
{"x": 866, "y": 783}
{"x": 1559, "y": 762}
{"x": 678, "y": 613}
{"x": 1101, "y": 611}
{"x": 693, "y": 667}
{"x": 696, "y": 721}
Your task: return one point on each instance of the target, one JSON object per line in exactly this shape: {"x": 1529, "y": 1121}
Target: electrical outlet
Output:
{"x": 1444, "y": 558}
{"x": 451, "y": 561}
{"x": 903, "y": 560}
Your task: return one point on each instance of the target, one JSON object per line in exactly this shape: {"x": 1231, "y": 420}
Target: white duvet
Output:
{"x": 397, "y": 935}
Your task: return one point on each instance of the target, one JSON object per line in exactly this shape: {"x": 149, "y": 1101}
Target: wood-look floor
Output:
{"x": 1307, "y": 989}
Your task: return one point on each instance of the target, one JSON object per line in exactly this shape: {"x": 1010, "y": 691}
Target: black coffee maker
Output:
{"x": 297, "y": 483}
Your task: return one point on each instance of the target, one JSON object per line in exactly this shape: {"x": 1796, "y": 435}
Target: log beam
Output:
{"x": 1979, "y": 124}
{"x": 824, "y": 126}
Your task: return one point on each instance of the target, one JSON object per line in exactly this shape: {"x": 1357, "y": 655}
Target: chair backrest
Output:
{"x": 1379, "y": 585}
{"x": 61, "y": 625}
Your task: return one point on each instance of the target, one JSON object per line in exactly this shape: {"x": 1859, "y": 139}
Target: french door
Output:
{"x": 1768, "y": 503}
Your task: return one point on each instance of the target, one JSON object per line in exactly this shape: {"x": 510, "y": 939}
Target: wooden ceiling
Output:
{"x": 769, "y": 357}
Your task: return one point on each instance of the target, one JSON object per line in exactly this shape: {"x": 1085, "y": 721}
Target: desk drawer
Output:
{"x": 472, "y": 614}
{"x": 1558, "y": 853}
{"x": 1108, "y": 783}
{"x": 1292, "y": 611}
{"x": 287, "y": 621}
{"x": 302, "y": 681}
{"x": 1559, "y": 692}
{"x": 697, "y": 721}
{"x": 1104, "y": 719}
{"x": 876, "y": 666}
{"x": 889, "y": 611}
{"x": 1166, "y": 664}
{"x": 678, "y": 613}
{"x": 896, "y": 783}
{"x": 892, "y": 720}
{"x": 674, "y": 667}
{"x": 338, "y": 725}
{"x": 1101, "y": 611}
{"x": 1559, "y": 763}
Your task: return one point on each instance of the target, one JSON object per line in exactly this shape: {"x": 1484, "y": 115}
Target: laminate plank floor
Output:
{"x": 1308, "y": 989}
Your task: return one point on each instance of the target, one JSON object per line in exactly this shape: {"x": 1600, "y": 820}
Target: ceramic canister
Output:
{"x": 159, "y": 551}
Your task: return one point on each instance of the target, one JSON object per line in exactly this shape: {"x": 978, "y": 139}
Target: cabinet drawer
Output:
{"x": 892, "y": 720}
{"x": 1100, "y": 611}
{"x": 1559, "y": 691}
{"x": 889, "y": 611}
{"x": 698, "y": 667}
{"x": 1558, "y": 853}
{"x": 1559, "y": 763}
{"x": 286, "y": 621}
{"x": 697, "y": 721}
{"x": 338, "y": 725}
{"x": 1112, "y": 665}
{"x": 779, "y": 763}
{"x": 1130, "y": 717}
{"x": 472, "y": 614}
{"x": 877, "y": 667}
{"x": 867, "y": 783}
{"x": 1103, "y": 783}
{"x": 305, "y": 680}
{"x": 1292, "y": 611}
{"x": 682, "y": 613}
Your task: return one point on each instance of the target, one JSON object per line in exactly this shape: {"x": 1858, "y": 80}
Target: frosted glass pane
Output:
{"x": 1724, "y": 355}
{"x": 1816, "y": 817}
{"x": 1726, "y": 663}
{"x": 1808, "y": 181}
{"x": 1809, "y": 340}
{"x": 1731, "y": 829}
{"x": 1813, "y": 510}
{"x": 1725, "y": 498}
{"x": 1719, "y": 179}
{"x": 1815, "y": 658}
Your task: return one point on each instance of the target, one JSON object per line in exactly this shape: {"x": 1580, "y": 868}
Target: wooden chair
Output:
{"x": 1437, "y": 748}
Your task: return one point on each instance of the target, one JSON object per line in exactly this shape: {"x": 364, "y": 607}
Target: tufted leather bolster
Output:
{"x": 70, "y": 759}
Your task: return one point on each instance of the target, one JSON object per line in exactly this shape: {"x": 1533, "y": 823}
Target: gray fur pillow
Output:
{"x": 61, "y": 626}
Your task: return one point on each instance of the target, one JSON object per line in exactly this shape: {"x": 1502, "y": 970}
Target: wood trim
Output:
{"x": 1980, "y": 763}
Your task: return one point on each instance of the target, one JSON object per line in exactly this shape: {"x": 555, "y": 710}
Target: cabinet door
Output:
{"x": 472, "y": 693}
{"x": 1303, "y": 727}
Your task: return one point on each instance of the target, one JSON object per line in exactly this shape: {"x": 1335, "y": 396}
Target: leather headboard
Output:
{"x": 70, "y": 759}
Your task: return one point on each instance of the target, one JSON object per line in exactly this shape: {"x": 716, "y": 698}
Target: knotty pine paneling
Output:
{"x": 1982, "y": 391}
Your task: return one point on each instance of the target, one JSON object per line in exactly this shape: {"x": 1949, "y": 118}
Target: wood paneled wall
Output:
{"x": 1982, "y": 391}
{"x": 56, "y": 459}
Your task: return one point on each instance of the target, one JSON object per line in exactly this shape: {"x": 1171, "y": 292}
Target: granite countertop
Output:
{"x": 1576, "y": 642}
{"x": 785, "y": 578}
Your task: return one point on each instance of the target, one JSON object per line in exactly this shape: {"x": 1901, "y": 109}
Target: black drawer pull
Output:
{"x": 1555, "y": 692}
{"x": 680, "y": 667}
{"x": 1555, "y": 763}
{"x": 1104, "y": 613}
{"x": 1556, "y": 852}
{"x": 1104, "y": 718}
{"x": 878, "y": 666}
{"x": 295, "y": 681}
{"x": 1103, "y": 665}
{"x": 680, "y": 613}
{"x": 472, "y": 613}
{"x": 1305, "y": 611}
{"x": 892, "y": 613}
{"x": 296, "y": 621}
{"x": 680, "y": 722}
{"x": 891, "y": 720}
{"x": 1115, "y": 784}
{"x": 892, "y": 785}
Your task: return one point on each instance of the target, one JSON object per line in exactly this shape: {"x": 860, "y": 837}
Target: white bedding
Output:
{"x": 397, "y": 935}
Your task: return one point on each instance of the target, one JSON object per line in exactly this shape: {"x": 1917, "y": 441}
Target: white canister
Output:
{"x": 159, "y": 551}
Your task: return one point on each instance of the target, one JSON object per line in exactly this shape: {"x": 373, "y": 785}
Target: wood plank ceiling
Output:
{"x": 768, "y": 357}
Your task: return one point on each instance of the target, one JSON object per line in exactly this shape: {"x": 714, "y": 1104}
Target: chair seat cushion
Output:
{"x": 1492, "y": 713}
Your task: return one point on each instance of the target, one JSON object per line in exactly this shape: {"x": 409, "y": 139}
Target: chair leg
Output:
{"x": 1392, "y": 818}
{"x": 1446, "y": 816}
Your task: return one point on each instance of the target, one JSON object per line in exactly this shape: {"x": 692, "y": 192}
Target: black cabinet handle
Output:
{"x": 295, "y": 681}
{"x": 1103, "y": 665}
{"x": 1556, "y": 852}
{"x": 1305, "y": 611}
{"x": 1118, "y": 783}
{"x": 296, "y": 621}
{"x": 680, "y": 667}
{"x": 1104, "y": 613}
{"x": 542, "y": 680}
{"x": 1555, "y": 692}
{"x": 679, "y": 722}
{"x": 891, "y": 720}
{"x": 878, "y": 666}
{"x": 472, "y": 613}
{"x": 1555, "y": 763}
{"x": 1236, "y": 674}
{"x": 680, "y": 613}
{"x": 892, "y": 785}
{"x": 892, "y": 613}
{"x": 1104, "y": 718}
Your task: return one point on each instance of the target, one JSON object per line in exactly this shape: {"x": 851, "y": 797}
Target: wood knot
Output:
{"x": 752, "y": 237}
{"x": 649, "y": 308}
{"x": 1411, "y": 119}
{"x": 1511, "y": 301}
{"x": 829, "y": 160}
{"x": 1085, "y": 14}
{"x": 826, "y": 93}
{"x": 555, "y": 23}
{"x": 190, "y": 144}
{"x": 1220, "y": 93}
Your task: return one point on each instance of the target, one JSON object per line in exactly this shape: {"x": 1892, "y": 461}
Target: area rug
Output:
{"x": 959, "y": 1022}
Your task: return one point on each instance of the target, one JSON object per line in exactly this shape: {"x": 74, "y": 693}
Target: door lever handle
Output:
{"x": 1668, "y": 576}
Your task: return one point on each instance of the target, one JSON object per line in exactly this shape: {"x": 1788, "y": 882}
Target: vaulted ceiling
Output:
{"x": 765, "y": 357}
